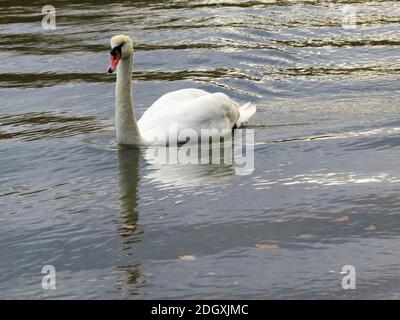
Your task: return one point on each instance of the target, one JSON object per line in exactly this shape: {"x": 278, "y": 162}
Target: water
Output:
{"x": 326, "y": 184}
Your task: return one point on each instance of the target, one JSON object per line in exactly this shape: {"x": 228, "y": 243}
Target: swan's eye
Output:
{"x": 116, "y": 52}
{"x": 116, "y": 55}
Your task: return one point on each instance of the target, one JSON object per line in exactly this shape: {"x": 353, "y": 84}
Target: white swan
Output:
{"x": 188, "y": 109}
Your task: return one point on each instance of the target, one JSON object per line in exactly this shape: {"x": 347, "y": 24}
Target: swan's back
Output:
{"x": 189, "y": 109}
{"x": 179, "y": 96}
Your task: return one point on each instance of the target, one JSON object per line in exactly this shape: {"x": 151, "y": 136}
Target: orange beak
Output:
{"x": 114, "y": 62}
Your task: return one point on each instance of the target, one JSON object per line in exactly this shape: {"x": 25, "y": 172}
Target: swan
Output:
{"x": 186, "y": 109}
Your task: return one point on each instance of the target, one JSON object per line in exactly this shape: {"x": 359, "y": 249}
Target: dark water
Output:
{"x": 324, "y": 192}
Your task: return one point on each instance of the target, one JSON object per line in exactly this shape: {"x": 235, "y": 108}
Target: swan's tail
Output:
{"x": 246, "y": 111}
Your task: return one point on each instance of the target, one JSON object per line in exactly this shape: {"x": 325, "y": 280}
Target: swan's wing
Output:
{"x": 169, "y": 101}
{"x": 212, "y": 111}
{"x": 207, "y": 111}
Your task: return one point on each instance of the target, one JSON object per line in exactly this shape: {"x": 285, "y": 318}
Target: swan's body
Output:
{"x": 174, "y": 116}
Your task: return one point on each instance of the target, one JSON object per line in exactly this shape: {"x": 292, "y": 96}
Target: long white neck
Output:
{"x": 127, "y": 130}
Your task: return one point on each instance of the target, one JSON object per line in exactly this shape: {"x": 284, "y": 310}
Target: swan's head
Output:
{"x": 121, "y": 48}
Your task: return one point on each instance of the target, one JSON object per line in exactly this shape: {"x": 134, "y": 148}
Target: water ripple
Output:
{"x": 44, "y": 125}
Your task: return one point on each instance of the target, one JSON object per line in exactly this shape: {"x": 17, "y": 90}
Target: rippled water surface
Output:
{"x": 324, "y": 192}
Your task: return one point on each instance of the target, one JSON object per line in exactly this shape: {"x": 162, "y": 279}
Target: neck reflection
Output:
{"x": 128, "y": 177}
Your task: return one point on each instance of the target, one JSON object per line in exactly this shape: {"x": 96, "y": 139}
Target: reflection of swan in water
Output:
{"x": 185, "y": 166}
{"x": 193, "y": 165}
{"x": 128, "y": 178}
{"x": 187, "y": 175}
{"x": 181, "y": 176}
{"x": 128, "y": 181}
